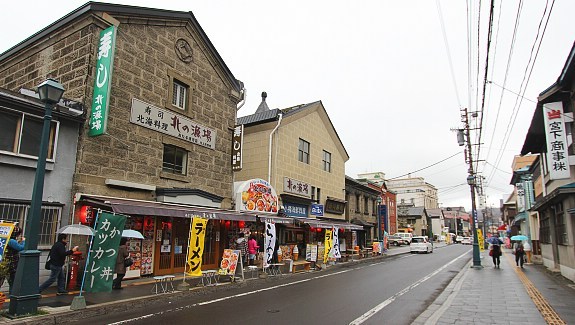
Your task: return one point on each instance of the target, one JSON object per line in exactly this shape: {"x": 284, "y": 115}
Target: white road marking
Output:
{"x": 388, "y": 301}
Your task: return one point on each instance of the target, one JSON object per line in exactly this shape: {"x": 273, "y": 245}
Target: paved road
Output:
{"x": 392, "y": 291}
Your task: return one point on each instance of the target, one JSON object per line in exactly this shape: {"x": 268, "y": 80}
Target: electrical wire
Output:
{"x": 389, "y": 179}
{"x": 446, "y": 43}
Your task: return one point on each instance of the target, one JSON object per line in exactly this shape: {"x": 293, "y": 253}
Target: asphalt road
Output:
{"x": 394, "y": 290}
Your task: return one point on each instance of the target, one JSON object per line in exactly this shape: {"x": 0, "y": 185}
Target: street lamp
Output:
{"x": 25, "y": 295}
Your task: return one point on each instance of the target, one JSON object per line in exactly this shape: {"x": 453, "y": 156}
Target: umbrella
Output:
{"x": 76, "y": 230}
{"x": 519, "y": 237}
{"x": 132, "y": 234}
{"x": 495, "y": 240}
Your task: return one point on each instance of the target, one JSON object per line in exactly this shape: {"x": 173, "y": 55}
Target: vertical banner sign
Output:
{"x": 102, "y": 82}
{"x": 100, "y": 271}
{"x": 328, "y": 244}
{"x": 196, "y": 248}
{"x": 237, "y": 144}
{"x": 270, "y": 243}
{"x": 5, "y": 233}
{"x": 336, "y": 252}
{"x": 557, "y": 155}
{"x": 480, "y": 240}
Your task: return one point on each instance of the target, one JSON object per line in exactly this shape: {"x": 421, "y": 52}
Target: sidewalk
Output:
{"x": 508, "y": 295}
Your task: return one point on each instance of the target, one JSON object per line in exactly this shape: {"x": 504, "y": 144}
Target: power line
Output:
{"x": 453, "y": 80}
{"x": 389, "y": 179}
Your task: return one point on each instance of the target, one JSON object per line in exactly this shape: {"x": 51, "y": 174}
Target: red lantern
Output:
{"x": 241, "y": 224}
{"x": 312, "y": 229}
{"x": 318, "y": 229}
{"x": 228, "y": 223}
{"x": 341, "y": 230}
{"x": 83, "y": 214}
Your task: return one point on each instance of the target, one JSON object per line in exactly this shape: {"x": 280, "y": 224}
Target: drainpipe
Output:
{"x": 243, "y": 94}
{"x": 270, "y": 149}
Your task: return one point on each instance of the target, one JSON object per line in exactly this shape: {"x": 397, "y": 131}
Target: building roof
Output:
{"x": 535, "y": 140}
{"x": 417, "y": 212}
{"x": 435, "y": 213}
{"x": 123, "y": 10}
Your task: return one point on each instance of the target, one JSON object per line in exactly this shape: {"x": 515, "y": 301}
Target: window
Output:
{"x": 175, "y": 160}
{"x": 303, "y": 151}
{"x": 180, "y": 92}
{"x": 326, "y": 161}
{"x": 365, "y": 205}
{"x": 313, "y": 194}
{"x": 20, "y": 134}
{"x": 49, "y": 220}
{"x": 374, "y": 208}
{"x": 560, "y": 226}
{"x": 545, "y": 229}
{"x": 357, "y": 203}
{"x": 318, "y": 194}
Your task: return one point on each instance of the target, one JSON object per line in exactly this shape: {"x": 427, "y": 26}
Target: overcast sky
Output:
{"x": 382, "y": 70}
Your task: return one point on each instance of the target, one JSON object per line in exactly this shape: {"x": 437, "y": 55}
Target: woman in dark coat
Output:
{"x": 120, "y": 269}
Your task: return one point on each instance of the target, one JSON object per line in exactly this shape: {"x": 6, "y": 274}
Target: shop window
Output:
{"x": 544, "y": 228}
{"x": 20, "y": 134}
{"x": 303, "y": 151}
{"x": 174, "y": 160}
{"x": 326, "y": 161}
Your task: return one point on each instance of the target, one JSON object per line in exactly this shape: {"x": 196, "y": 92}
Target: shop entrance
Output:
{"x": 171, "y": 245}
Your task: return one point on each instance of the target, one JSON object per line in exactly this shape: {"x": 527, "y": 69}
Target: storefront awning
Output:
{"x": 275, "y": 219}
{"x": 151, "y": 208}
{"x": 317, "y": 223}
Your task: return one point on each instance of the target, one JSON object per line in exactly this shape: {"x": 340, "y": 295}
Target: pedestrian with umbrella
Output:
{"x": 495, "y": 251}
{"x": 519, "y": 249}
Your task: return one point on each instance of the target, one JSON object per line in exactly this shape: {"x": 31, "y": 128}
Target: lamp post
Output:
{"x": 25, "y": 295}
{"x": 378, "y": 219}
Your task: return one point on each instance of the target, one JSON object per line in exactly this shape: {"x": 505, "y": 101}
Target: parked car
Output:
{"x": 458, "y": 239}
{"x": 420, "y": 244}
{"x": 466, "y": 241}
{"x": 396, "y": 240}
{"x": 405, "y": 235}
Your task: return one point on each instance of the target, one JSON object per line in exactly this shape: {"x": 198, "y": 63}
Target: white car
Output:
{"x": 466, "y": 241}
{"x": 405, "y": 235}
{"x": 420, "y": 244}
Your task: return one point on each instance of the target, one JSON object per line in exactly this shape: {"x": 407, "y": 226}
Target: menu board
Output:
{"x": 311, "y": 253}
{"x": 320, "y": 251}
{"x": 229, "y": 262}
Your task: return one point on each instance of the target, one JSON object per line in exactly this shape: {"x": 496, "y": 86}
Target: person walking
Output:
{"x": 519, "y": 254}
{"x": 252, "y": 249}
{"x": 120, "y": 268}
{"x": 57, "y": 256}
{"x": 527, "y": 248}
{"x": 13, "y": 254}
{"x": 496, "y": 250}
{"x": 242, "y": 246}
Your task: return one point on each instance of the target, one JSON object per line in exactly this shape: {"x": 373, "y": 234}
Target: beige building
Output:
{"x": 299, "y": 153}
{"x": 414, "y": 191}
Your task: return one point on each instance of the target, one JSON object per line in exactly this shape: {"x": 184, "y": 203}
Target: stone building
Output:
{"x": 159, "y": 131}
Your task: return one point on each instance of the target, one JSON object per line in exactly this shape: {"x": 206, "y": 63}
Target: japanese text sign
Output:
{"x": 196, "y": 247}
{"x": 5, "y": 233}
{"x": 269, "y": 243}
{"x": 296, "y": 187}
{"x": 328, "y": 244}
{"x": 102, "y": 261}
{"x": 557, "y": 154}
{"x": 335, "y": 243}
{"x": 102, "y": 82}
{"x": 167, "y": 122}
{"x": 237, "y": 144}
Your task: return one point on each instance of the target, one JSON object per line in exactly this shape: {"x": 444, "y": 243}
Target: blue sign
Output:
{"x": 295, "y": 210}
{"x": 317, "y": 209}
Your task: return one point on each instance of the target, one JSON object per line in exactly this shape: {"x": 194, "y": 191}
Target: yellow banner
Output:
{"x": 480, "y": 240}
{"x": 5, "y": 233}
{"x": 328, "y": 244}
{"x": 196, "y": 246}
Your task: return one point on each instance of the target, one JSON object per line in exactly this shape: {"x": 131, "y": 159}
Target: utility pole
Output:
{"x": 472, "y": 181}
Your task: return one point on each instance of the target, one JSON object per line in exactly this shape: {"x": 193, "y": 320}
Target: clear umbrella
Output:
{"x": 129, "y": 233}
{"x": 76, "y": 230}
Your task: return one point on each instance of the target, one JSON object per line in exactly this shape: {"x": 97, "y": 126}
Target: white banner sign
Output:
{"x": 167, "y": 122}
{"x": 335, "y": 248}
{"x": 270, "y": 243}
{"x": 557, "y": 155}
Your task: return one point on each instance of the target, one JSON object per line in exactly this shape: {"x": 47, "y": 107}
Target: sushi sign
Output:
{"x": 557, "y": 154}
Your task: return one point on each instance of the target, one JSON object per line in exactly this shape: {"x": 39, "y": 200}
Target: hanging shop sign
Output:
{"x": 335, "y": 206}
{"x": 294, "y": 186}
{"x": 557, "y": 154}
{"x": 104, "y": 251}
{"x": 317, "y": 209}
{"x": 167, "y": 122}
{"x": 256, "y": 195}
{"x": 295, "y": 210}
{"x": 328, "y": 244}
{"x": 103, "y": 82}
{"x": 237, "y": 146}
{"x": 196, "y": 247}
{"x": 270, "y": 243}
{"x": 5, "y": 233}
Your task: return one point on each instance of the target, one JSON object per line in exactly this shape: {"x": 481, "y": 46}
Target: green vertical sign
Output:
{"x": 102, "y": 82}
{"x": 102, "y": 258}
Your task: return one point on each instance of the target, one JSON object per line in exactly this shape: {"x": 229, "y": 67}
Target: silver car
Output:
{"x": 420, "y": 244}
